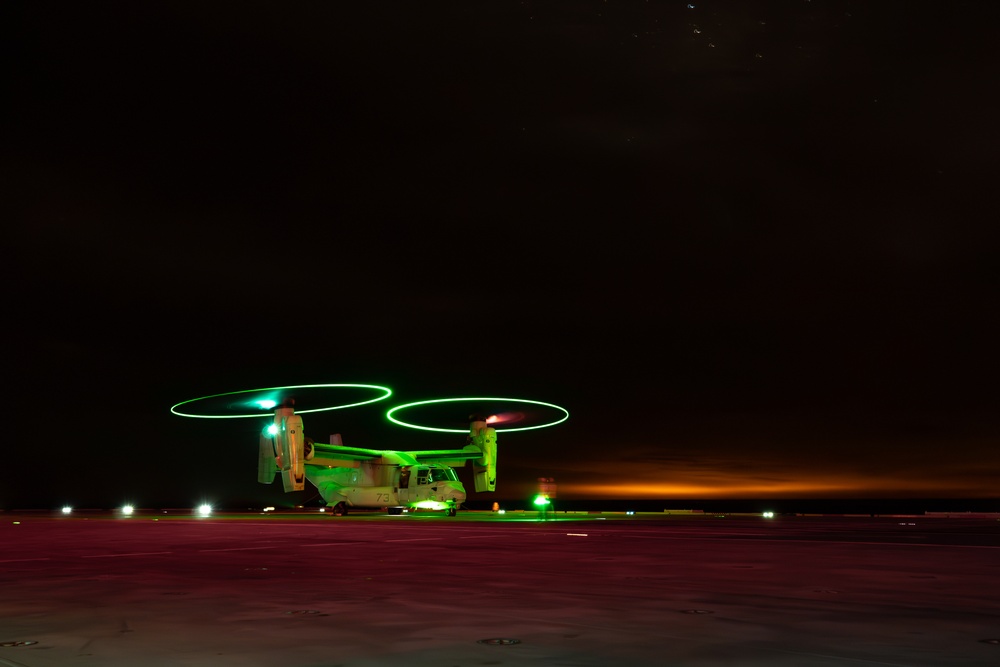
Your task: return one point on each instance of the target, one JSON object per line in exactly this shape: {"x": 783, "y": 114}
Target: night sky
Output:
{"x": 752, "y": 247}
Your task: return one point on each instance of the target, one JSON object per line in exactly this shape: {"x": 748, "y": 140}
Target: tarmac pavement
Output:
{"x": 583, "y": 589}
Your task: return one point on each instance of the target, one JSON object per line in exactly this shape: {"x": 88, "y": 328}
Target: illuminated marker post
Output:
{"x": 546, "y": 492}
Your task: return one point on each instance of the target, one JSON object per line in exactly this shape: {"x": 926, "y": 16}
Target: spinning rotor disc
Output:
{"x": 263, "y": 401}
{"x": 486, "y": 406}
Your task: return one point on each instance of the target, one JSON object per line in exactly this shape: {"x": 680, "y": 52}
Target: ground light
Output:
{"x": 767, "y": 515}
{"x": 127, "y": 510}
{"x": 67, "y": 510}
{"x": 204, "y": 509}
{"x": 543, "y": 504}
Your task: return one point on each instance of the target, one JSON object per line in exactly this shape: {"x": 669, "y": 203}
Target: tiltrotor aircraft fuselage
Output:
{"x": 349, "y": 477}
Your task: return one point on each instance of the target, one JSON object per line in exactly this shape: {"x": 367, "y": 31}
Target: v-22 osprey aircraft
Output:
{"x": 349, "y": 477}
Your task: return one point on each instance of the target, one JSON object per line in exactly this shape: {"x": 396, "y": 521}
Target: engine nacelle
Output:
{"x": 484, "y": 469}
{"x": 285, "y": 439}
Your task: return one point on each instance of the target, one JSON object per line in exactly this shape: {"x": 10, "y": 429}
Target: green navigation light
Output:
{"x": 541, "y": 500}
{"x": 394, "y": 420}
{"x": 262, "y": 403}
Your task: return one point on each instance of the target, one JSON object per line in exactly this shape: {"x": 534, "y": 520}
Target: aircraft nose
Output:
{"x": 454, "y": 491}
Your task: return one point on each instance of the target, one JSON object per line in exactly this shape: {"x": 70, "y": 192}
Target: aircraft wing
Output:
{"x": 339, "y": 456}
{"x": 345, "y": 453}
{"x": 448, "y": 457}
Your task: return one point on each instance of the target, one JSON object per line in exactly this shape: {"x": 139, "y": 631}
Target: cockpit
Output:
{"x": 434, "y": 474}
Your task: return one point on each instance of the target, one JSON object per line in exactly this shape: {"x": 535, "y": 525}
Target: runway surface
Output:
{"x": 310, "y": 590}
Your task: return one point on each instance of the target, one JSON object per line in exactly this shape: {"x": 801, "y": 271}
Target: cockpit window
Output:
{"x": 434, "y": 475}
{"x": 443, "y": 475}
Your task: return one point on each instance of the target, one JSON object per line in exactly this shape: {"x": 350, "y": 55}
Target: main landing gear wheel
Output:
{"x": 340, "y": 509}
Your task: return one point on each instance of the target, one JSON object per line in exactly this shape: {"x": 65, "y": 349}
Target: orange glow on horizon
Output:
{"x": 736, "y": 488}
{"x": 815, "y": 465}
{"x": 735, "y": 475}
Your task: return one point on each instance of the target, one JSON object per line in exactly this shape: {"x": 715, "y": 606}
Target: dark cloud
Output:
{"x": 748, "y": 246}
